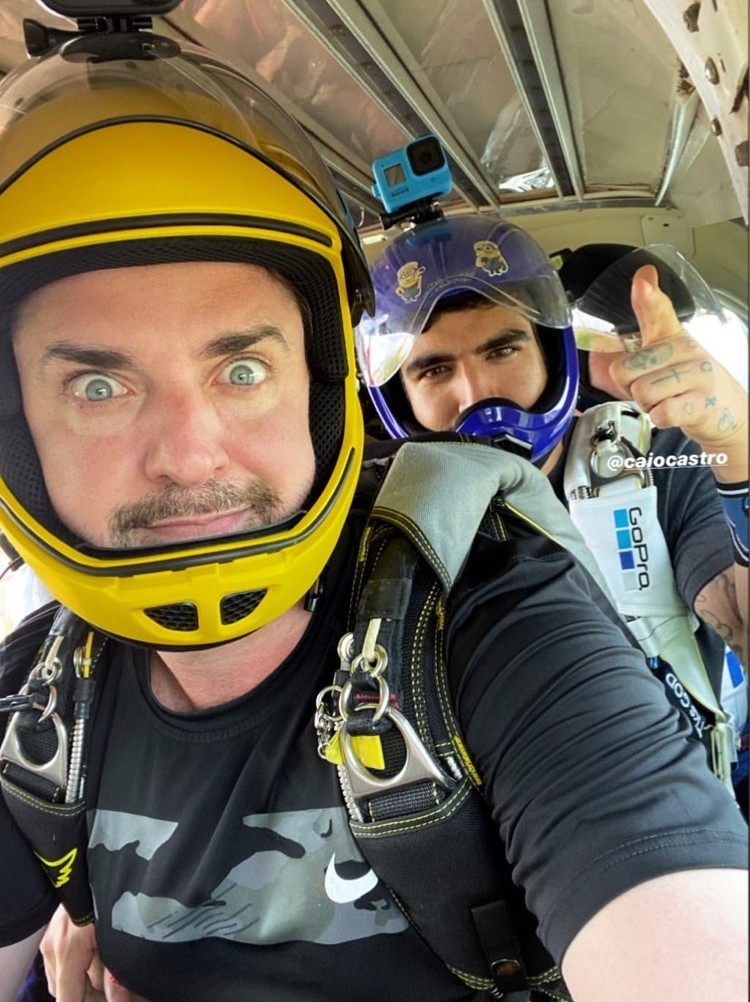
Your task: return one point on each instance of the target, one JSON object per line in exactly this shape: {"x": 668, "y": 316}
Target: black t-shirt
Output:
{"x": 220, "y": 856}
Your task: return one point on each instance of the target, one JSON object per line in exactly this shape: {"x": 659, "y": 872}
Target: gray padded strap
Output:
{"x": 438, "y": 492}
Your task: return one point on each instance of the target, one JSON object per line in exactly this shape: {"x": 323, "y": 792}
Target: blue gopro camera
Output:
{"x": 417, "y": 172}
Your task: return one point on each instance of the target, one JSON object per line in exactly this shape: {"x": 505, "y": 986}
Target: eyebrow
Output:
{"x": 97, "y": 358}
{"x": 230, "y": 344}
{"x": 109, "y": 358}
{"x": 430, "y": 359}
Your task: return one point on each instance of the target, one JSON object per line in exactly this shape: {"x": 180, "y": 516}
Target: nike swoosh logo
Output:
{"x": 343, "y": 892}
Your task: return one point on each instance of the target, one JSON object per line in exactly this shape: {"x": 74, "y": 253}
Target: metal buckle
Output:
{"x": 606, "y": 443}
{"x": 56, "y": 769}
{"x": 418, "y": 767}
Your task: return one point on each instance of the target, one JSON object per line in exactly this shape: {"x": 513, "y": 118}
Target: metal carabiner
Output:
{"x": 49, "y": 669}
{"x": 606, "y": 443}
{"x": 384, "y": 696}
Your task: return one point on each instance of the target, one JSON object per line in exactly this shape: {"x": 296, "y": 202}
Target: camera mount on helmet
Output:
{"x": 110, "y": 18}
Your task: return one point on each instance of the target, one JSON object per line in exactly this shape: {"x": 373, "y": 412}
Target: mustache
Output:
{"x": 261, "y": 503}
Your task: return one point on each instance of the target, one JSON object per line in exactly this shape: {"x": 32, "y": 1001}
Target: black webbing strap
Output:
{"x": 39, "y": 749}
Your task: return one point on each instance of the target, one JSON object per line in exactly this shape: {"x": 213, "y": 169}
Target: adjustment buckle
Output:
{"x": 418, "y": 767}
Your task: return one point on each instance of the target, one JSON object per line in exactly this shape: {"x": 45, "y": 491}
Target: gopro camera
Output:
{"x": 415, "y": 173}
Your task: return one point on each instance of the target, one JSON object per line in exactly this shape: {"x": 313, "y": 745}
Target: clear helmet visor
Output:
{"x": 445, "y": 259}
{"x": 77, "y": 88}
{"x": 604, "y": 319}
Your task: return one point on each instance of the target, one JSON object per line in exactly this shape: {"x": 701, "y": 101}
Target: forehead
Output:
{"x": 124, "y": 295}
{"x": 474, "y": 324}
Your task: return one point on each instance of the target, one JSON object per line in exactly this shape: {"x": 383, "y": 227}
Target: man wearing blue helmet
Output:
{"x": 484, "y": 346}
{"x": 463, "y": 306}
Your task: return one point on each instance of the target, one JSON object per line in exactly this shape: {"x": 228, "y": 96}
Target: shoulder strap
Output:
{"x": 437, "y": 494}
{"x": 43, "y": 752}
{"x": 613, "y": 502}
{"x": 388, "y": 721}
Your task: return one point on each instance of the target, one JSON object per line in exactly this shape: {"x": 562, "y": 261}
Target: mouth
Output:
{"x": 190, "y": 527}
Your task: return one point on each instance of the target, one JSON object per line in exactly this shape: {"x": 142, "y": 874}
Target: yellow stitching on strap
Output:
{"x": 465, "y": 758}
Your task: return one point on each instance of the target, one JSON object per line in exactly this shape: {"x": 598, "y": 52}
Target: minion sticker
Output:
{"x": 409, "y": 281}
{"x": 489, "y": 258}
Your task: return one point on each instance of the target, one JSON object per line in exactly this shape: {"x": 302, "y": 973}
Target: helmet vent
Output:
{"x": 182, "y": 616}
{"x": 236, "y": 607}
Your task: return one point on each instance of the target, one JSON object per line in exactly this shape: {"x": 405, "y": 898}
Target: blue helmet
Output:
{"x": 444, "y": 258}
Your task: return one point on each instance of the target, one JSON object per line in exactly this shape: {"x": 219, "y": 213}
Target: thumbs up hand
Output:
{"x": 679, "y": 384}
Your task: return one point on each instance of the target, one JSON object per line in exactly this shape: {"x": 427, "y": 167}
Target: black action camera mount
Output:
{"x": 95, "y": 17}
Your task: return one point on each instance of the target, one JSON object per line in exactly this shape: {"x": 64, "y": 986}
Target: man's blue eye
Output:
{"x": 245, "y": 373}
{"x": 96, "y": 388}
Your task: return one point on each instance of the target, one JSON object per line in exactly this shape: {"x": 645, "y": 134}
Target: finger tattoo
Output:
{"x": 649, "y": 357}
{"x": 674, "y": 374}
{"x": 726, "y": 421}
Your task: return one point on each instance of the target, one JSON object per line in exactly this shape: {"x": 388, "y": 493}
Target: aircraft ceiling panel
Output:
{"x": 620, "y": 75}
{"x": 552, "y": 103}
{"x": 461, "y": 58}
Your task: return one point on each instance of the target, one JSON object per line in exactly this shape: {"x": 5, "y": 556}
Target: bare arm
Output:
{"x": 678, "y": 938}
{"x": 718, "y": 604}
{"x": 15, "y": 962}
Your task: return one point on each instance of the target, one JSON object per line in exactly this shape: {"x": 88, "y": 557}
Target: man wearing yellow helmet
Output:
{"x": 180, "y": 445}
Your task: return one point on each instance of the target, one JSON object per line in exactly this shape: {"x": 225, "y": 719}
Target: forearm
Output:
{"x": 720, "y": 604}
{"x": 734, "y": 497}
{"x": 729, "y": 439}
{"x": 678, "y": 938}
{"x": 15, "y": 962}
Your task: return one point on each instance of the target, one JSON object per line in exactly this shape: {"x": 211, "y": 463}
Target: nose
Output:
{"x": 471, "y": 385}
{"x": 185, "y": 439}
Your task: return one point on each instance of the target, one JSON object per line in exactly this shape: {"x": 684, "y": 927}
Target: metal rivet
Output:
{"x": 690, "y": 17}
{"x": 506, "y": 968}
{"x": 712, "y": 74}
{"x": 716, "y": 127}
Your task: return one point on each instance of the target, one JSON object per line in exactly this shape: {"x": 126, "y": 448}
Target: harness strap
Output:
{"x": 613, "y": 502}
{"x": 437, "y": 494}
{"x": 43, "y": 759}
{"x": 418, "y": 815}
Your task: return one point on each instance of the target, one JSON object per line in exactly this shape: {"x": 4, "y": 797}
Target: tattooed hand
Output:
{"x": 679, "y": 384}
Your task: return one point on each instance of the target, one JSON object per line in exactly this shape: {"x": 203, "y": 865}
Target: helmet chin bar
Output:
{"x": 502, "y": 421}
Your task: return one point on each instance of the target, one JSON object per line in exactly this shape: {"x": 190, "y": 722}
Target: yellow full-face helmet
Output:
{"x": 148, "y": 153}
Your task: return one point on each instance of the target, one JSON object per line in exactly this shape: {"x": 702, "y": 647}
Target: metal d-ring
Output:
{"x": 619, "y": 448}
{"x": 418, "y": 767}
{"x": 55, "y": 770}
{"x": 384, "y": 696}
